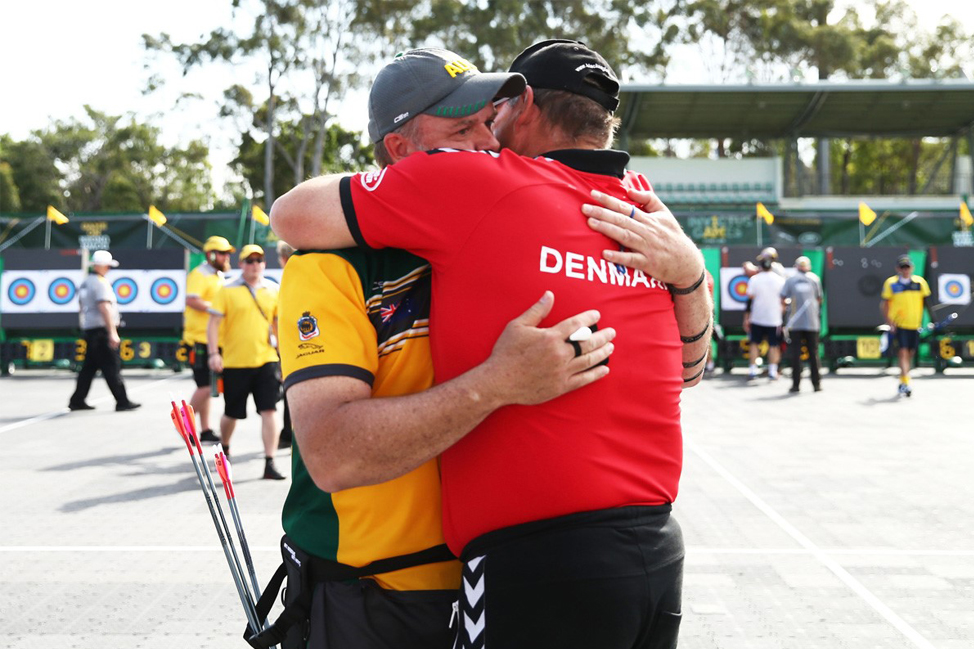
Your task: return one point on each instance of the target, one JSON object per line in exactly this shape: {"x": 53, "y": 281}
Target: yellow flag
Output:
{"x": 866, "y": 215}
{"x": 260, "y": 216}
{"x": 765, "y": 214}
{"x": 54, "y": 215}
{"x": 156, "y": 216}
{"x": 965, "y": 215}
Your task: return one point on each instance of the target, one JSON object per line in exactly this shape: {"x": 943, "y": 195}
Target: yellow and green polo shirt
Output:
{"x": 364, "y": 315}
{"x": 906, "y": 300}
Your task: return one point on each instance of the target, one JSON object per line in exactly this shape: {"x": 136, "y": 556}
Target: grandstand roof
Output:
{"x": 875, "y": 108}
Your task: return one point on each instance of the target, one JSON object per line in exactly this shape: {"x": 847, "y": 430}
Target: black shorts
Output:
{"x": 241, "y": 382}
{"x": 760, "y": 333}
{"x": 907, "y": 338}
{"x": 609, "y": 579}
{"x": 361, "y": 615}
{"x": 199, "y": 359}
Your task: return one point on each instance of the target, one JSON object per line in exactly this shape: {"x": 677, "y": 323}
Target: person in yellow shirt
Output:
{"x": 902, "y": 306}
{"x": 242, "y": 344}
{"x": 202, "y": 284}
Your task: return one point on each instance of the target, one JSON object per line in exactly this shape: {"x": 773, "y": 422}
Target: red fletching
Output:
{"x": 223, "y": 468}
{"x": 177, "y": 421}
{"x": 189, "y": 417}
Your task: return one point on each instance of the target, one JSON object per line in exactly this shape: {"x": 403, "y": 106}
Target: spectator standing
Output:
{"x": 903, "y": 297}
{"x": 242, "y": 344}
{"x": 801, "y": 300}
{"x": 100, "y": 321}
{"x": 762, "y": 319}
{"x": 202, "y": 284}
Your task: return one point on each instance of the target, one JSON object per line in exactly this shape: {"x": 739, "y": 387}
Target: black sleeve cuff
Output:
{"x": 335, "y": 369}
{"x": 348, "y": 207}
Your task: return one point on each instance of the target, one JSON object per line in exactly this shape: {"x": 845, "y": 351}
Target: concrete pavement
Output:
{"x": 836, "y": 519}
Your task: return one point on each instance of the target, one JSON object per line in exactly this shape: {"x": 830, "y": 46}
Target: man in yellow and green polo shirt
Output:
{"x": 902, "y": 306}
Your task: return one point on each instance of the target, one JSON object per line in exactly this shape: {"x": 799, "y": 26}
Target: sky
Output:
{"x": 58, "y": 55}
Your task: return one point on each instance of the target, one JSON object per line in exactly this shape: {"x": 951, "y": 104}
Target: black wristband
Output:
{"x": 696, "y": 362}
{"x": 693, "y": 339}
{"x": 695, "y": 376}
{"x": 690, "y": 289}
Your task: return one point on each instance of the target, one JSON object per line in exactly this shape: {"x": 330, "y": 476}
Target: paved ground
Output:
{"x": 838, "y": 519}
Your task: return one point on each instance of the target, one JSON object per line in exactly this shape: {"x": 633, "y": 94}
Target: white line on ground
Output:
{"x": 63, "y": 411}
{"x": 690, "y": 550}
{"x": 885, "y": 611}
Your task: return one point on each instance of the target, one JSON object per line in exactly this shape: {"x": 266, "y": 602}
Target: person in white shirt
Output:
{"x": 762, "y": 319}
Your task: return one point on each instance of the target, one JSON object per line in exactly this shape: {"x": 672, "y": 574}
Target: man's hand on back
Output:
{"x": 531, "y": 364}
{"x": 654, "y": 241}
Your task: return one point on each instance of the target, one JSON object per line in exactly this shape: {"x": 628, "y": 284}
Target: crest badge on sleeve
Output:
{"x": 307, "y": 326}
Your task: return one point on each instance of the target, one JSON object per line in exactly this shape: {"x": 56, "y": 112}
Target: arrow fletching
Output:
{"x": 177, "y": 421}
{"x": 223, "y": 468}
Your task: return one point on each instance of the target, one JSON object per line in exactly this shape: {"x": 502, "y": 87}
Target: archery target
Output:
{"x": 40, "y": 291}
{"x": 61, "y": 291}
{"x": 954, "y": 288}
{"x": 126, "y": 290}
{"x": 21, "y": 291}
{"x": 733, "y": 289}
{"x": 164, "y": 291}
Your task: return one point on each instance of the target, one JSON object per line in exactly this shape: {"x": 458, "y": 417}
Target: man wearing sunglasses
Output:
{"x": 242, "y": 344}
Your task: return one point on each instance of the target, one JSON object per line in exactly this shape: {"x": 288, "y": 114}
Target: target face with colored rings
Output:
{"x": 953, "y": 288}
{"x": 126, "y": 290}
{"x": 164, "y": 290}
{"x": 61, "y": 291}
{"x": 737, "y": 288}
{"x": 21, "y": 291}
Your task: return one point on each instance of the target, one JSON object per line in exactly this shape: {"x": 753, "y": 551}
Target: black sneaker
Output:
{"x": 80, "y": 406}
{"x": 793, "y": 388}
{"x": 817, "y": 388}
{"x": 131, "y": 405}
{"x": 209, "y": 437}
{"x": 271, "y": 472}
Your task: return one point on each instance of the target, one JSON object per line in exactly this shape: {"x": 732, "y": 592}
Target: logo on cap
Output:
{"x": 459, "y": 66}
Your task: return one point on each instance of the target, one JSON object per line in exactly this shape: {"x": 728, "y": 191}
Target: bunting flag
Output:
{"x": 156, "y": 216}
{"x": 765, "y": 214}
{"x": 866, "y": 215}
{"x": 259, "y": 216}
{"x": 54, "y": 215}
{"x": 965, "y": 215}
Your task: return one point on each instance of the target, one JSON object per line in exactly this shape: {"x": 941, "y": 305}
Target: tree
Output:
{"x": 9, "y": 194}
{"x": 114, "y": 163}
{"x": 632, "y": 36}
{"x": 342, "y": 150}
{"x": 32, "y": 172}
{"x": 275, "y": 35}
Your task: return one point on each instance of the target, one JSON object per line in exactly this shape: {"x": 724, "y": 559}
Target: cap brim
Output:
{"x": 478, "y": 91}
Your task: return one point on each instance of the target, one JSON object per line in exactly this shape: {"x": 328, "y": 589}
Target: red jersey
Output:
{"x": 498, "y": 230}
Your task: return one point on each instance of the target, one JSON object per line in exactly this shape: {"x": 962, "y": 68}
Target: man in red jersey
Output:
{"x": 561, "y": 511}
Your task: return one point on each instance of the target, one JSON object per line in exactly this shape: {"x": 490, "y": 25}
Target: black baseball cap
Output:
{"x": 433, "y": 81}
{"x": 904, "y": 260}
{"x": 569, "y": 65}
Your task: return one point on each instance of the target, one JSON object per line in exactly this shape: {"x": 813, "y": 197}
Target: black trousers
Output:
{"x": 99, "y": 356}
{"x": 809, "y": 339}
{"x": 609, "y": 579}
{"x": 361, "y": 615}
